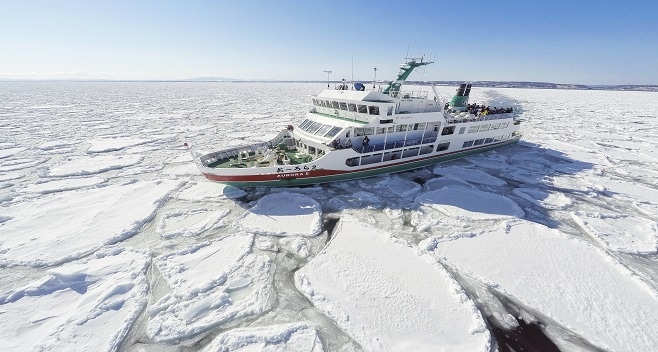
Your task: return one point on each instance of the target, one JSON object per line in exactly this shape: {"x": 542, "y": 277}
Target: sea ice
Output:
{"x": 468, "y": 174}
{"x": 205, "y": 190}
{"x": 283, "y": 214}
{"x": 410, "y": 303}
{"x": 189, "y": 222}
{"x": 104, "y": 145}
{"x": 623, "y": 233}
{"x": 292, "y": 337}
{"x": 76, "y": 166}
{"x": 466, "y": 202}
{"x": 84, "y": 306}
{"x": 215, "y": 284}
{"x": 570, "y": 281}
{"x": 66, "y": 184}
{"x": 543, "y": 198}
{"x": 64, "y": 226}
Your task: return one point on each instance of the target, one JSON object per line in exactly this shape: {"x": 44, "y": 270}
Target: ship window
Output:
{"x": 314, "y": 127}
{"x": 386, "y": 121}
{"x": 335, "y": 105}
{"x": 473, "y": 129}
{"x": 369, "y": 131}
{"x": 327, "y": 103}
{"x": 322, "y": 104}
{"x": 358, "y": 132}
{"x": 484, "y": 128}
{"x": 311, "y": 150}
{"x": 448, "y": 130}
{"x": 371, "y": 159}
{"x": 478, "y": 141}
{"x": 426, "y": 149}
{"x": 352, "y": 162}
{"x": 410, "y": 152}
{"x": 381, "y": 130}
{"x": 363, "y": 109}
{"x": 443, "y": 146}
{"x": 351, "y": 107}
{"x": 401, "y": 128}
{"x": 304, "y": 123}
{"x": 334, "y": 131}
{"x": 461, "y": 130}
{"x": 494, "y": 126}
{"x": 315, "y": 102}
{"x": 390, "y": 111}
{"x": 390, "y": 129}
{"x": 419, "y": 126}
{"x": 488, "y": 140}
{"x": 467, "y": 144}
{"x": 343, "y": 106}
{"x": 373, "y": 110}
{"x": 322, "y": 131}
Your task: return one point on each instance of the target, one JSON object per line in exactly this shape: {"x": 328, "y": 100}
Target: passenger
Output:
{"x": 366, "y": 140}
{"x": 348, "y": 143}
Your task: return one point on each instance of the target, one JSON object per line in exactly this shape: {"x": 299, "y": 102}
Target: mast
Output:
{"x": 405, "y": 71}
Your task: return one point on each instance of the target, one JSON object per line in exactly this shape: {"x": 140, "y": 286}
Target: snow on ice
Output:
{"x": 409, "y": 303}
{"x": 283, "y": 214}
{"x": 86, "y": 306}
{"x": 61, "y": 227}
{"x": 466, "y": 202}
{"x": 568, "y": 280}
{"x": 94, "y": 182}
{"x": 93, "y": 165}
{"x": 213, "y": 285}
{"x": 278, "y": 338}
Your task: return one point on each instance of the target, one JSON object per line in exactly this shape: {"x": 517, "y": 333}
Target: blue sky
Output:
{"x": 576, "y": 41}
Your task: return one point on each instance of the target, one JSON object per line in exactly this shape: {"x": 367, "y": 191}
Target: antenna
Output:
{"x": 375, "y": 80}
{"x": 352, "y": 66}
{"x": 327, "y": 72}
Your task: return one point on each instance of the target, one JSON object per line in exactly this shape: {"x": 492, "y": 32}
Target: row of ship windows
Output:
{"x": 319, "y": 129}
{"x": 415, "y": 151}
{"x": 494, "y": 126}
{"x": 339, "y": 105}
{"x": 398, "y": 154}
{"x": 330, "y": 131}
{"x": 485, "y": 141}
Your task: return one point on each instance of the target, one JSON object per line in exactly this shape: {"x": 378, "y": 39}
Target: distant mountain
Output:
{"x": 542, "y": 85}
{"x": 212, "y": 79}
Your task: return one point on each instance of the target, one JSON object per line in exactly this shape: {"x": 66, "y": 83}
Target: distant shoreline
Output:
{"x": 483, "y": 84}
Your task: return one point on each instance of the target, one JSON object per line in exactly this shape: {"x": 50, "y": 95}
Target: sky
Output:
{"x": 576, "y": 42}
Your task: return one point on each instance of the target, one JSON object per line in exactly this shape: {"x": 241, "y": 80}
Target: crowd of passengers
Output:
{"x": 478, "y": 110}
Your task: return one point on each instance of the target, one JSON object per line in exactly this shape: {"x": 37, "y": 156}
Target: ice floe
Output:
{"x": 388, "y": 296}
{"x": 623, "y": 233}
{"x": 85, "y": 306}
{"x": 67, "y": 184}
{"x": 93, "y": 165}
{"x": 63, "y": 226}
{"x": 295, "y": 337}
{"x": 103, "y": 145}
{"x": 469, "y": 175}
{"x": 567, "y": 280}
{"x": 466, "y": 202}
{"x": 283, "y": 214}
{"x": 214, "y": 284}
{"x": 189, "y": 222}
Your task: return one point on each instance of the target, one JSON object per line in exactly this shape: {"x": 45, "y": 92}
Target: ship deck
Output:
{"x": 252, "y": 159}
